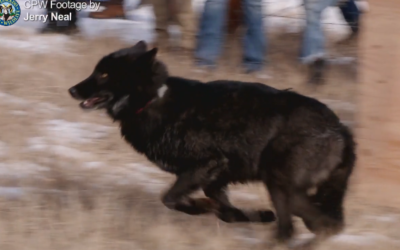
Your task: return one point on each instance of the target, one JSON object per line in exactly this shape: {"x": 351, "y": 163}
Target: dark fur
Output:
{"x": 211, "y": 135}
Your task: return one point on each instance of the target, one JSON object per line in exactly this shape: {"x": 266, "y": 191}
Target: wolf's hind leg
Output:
{"x": 226, "y": 212}
{"x": 316, "y": 220}
{"x": 281, "y": 199}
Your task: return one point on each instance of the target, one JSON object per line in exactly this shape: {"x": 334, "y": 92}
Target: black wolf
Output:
{"x": 211, "y": 135}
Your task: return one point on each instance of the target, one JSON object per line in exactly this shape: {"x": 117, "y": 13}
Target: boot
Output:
{"x": 114, "y": 9}
{"x": 317, "y": 71}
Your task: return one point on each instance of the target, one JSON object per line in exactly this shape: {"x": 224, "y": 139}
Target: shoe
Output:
{"x": 111, "y": 11}
{"x": 317, "y": 72}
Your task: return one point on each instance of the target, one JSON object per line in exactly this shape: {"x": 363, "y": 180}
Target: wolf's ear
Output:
{"x": 149, "y": 56}
{"x": 141, "y": 46}
{"x": 131, "y": 52}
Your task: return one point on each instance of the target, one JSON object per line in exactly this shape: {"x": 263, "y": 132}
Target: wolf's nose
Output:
{"x": 72, "y": 91}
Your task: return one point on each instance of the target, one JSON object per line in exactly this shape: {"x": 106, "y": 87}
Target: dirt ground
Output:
{"x": 87, "y": 189}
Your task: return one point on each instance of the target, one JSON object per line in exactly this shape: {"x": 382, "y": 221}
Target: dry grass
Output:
{"x": 108, "y": 206}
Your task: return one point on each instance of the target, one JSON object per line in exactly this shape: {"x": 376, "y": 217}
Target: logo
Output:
{"x": 9, "y": 12}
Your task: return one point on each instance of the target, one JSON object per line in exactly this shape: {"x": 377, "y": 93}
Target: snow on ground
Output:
{"x": 59, "y": 137}
{"x": 21, "y": 169}
{"x": 389, "y": 218}
{"x": 40, "y": 107}
{"x": 363, "y": 239}
{"x": 64, "y": 132}
{"x": 7, "y": 98}
{"x": 38, "y": 45}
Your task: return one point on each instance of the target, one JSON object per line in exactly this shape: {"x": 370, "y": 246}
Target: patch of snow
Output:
{"x": 68, "y": 152}
{"x": 37, "y": 143}
{"x": 142, "y": 175}
{"x": 7, "y": 98}
{"x": 342, "y": 60}
{"x": 126, "y": 30}
{"x": 18, "y": 192}
{"x": 145, "y": 169}
{"x": 11, "y": 192}
{"x": 244, "y": 195}
{"x": 352, "y": 239}
{"x": 46, "y": 107}
{"x": 364, "y": 239}
{"x": 20, "y": 169}
{"x": 249, "y": 240}
{"x": 149, "y": 184}
{"x": 63, "y": 132}
{"x": 36, "y": 44}
{"x": 384, "y": 218}
{"x": 59, "y": 137}
{"x": 93, "y": 164}
{"x": 41, "y": 107}
{"x": 246, "y": 235}
{"x": 301, "y": 240}
{"x": 40, "y": 144}
{"x": 18, "y": 112}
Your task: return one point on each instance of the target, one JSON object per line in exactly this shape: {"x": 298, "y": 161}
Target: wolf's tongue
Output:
{"x": 91, "y": 101}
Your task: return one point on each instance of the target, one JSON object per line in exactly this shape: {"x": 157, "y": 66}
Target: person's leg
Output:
{"x": 188, "y": 23}
{"x": 351, "y": 14}
{"x": 254, "y": 40}
{"x": 313, "y": 44}
{"x": 114, "y": 9}
{"x": 161, "y": 13}
{"x": 211, "y": 32}
{"x": 67, "y": 27}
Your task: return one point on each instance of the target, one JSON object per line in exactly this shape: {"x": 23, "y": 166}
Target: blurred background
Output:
{"x": 68, "y": 180}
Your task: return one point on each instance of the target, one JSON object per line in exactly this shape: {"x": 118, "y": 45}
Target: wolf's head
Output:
{"x": 127, "y": 77}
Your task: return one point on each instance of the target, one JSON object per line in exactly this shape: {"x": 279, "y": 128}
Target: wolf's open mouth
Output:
{"x": 94, "y": 102}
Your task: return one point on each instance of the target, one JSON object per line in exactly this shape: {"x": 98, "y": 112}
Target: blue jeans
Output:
{"x": 313, "y": 44}
{"x": 213, "y": 27}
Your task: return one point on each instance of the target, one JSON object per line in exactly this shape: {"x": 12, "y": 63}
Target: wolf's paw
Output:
{"x": 284, "y": 233}
{"x": 205, "y": 204}
{"x": 325, "y": 226}
{"x": 231, "y": 215}
{"x": 263, "y": 216}
{"x": 267, "y": 216}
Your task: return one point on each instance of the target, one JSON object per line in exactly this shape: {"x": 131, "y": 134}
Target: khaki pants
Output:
{"x": 175, "y": 12}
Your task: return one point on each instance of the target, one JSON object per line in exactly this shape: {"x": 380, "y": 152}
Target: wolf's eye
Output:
{"x": 104, "y": 75}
